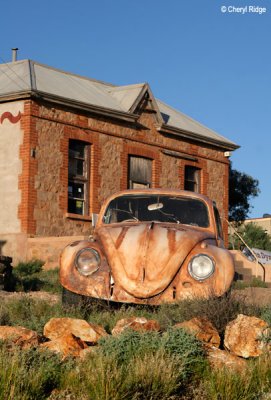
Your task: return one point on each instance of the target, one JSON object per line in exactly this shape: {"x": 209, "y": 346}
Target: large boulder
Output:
{"x": 223, "y": 359}
{"x": 136, "y": 324}
{"x": 68, "y": 345}
{"x": 202, "y": 329}
{"x": 244, "y": 336}
{"x": 20, "y": 336}
{"x": 57, "y": 327}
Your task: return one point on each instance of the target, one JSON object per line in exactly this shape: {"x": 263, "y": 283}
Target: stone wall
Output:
{"x": 48, "y": 249}
{"x": 111, "y": 144}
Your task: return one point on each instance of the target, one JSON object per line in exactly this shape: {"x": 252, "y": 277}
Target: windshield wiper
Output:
{"x": 127, "y": 212}
{"x": 170, "y": 216}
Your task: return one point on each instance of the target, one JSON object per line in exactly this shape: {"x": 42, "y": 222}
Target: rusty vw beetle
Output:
{"x": 150, "y": 246}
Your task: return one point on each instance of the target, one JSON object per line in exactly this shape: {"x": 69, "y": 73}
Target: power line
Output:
{"x": 18, "y": 76}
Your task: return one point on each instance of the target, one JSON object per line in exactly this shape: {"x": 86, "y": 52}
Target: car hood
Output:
{"x": 145, "y": 257}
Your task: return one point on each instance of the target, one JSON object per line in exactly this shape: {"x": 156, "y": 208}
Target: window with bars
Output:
{"x": 78, "y": 186}
{"x": 192, "y": 179}
{"x": 140, "y": 172}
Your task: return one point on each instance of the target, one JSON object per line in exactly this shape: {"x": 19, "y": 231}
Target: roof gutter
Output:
{"x": 119, "y": 115}
{"x": 171, "y": 130}
{"x": 97, "y": 110}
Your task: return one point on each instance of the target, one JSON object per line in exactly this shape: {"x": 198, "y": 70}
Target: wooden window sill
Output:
{"x": 78, "y": 216}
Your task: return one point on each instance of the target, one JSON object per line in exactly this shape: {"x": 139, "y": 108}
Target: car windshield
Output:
{"x": 161, "y": 208}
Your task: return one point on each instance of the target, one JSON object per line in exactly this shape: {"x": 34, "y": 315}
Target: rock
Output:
{"x": 243, "y": 336}
{"x": 202, "y": 329}
{"x": 56, "y": 327}
{"x": 136, "y": 324}
{"x": 223, "y": 359}
{"x": 20, "y": 336}
{"x": 85, "y": 352}
{"x": 66, "y": 345}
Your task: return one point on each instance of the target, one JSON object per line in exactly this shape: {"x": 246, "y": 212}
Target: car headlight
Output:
{"x": 87, "y": 261}
{"x": 201, "y": 267}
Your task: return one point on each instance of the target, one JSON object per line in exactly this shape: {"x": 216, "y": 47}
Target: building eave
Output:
{"x": 171, "y": 130}
{"x": 54, "y": 99}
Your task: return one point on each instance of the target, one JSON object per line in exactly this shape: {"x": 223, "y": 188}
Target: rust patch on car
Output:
{"x": 144, "y": 255}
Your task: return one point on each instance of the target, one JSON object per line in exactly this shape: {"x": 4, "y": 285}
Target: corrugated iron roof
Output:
{"x": 29, "y": 76}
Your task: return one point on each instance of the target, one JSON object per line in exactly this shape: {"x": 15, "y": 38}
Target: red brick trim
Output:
{"x": 204, "y": 176}
{"x": 95, "y": 154}
{"x": 29, "y": 169}
{"x": 226, "y": 202}
{"x": 118, "y": 130}
{"x": 141, "y": 151}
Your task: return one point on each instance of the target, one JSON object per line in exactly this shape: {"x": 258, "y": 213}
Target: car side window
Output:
{"x": 218, "y": 223}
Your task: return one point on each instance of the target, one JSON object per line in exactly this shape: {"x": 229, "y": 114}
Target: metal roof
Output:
{"x": 27, "y": 76}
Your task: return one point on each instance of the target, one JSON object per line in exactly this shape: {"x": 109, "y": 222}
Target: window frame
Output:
{"x": 196, "y": 181}
{"x": 83, "y": 179}
{"x": 139, "y": 183}
{"x": 218, "y": 223}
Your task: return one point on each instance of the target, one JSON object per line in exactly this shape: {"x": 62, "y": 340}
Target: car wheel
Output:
{"x": 71, "y": 299}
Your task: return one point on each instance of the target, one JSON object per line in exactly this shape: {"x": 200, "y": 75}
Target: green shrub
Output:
{"x": 50, "y": 281}
{"x": 29, "y": 374}
{"x": 252, "y": 384}
{"x": 183, "y": 348}
{"x": 151, "y": 376}
{"x": 33, "y": 313}
{"x": 266, "y": 314}
{"x": 130, "y": 344}
{"x": 219, "y": 310}
{"x": 27, "y": 268}
{"x": 254, "y": 282}
{"x": 29, "y": 276}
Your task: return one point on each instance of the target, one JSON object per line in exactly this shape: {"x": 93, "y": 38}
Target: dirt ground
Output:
{"x": 255, "y": 295}
{"x": 39, "y": 295}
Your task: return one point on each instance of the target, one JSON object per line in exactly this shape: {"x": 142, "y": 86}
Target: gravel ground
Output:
{"x": 253, "y": 295}
{"x": 51, "y": 297}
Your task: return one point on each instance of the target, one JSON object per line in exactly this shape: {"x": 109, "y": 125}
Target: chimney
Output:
{"x": 14, "y": 54}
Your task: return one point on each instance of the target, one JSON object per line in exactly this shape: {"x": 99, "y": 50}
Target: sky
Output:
{"x": 210, "y": 59}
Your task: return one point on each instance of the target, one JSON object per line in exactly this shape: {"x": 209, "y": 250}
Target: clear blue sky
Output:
{"x": 214, "y": 66}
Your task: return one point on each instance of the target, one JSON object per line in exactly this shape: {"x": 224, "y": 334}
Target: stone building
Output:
{"x": 67, "y": 142}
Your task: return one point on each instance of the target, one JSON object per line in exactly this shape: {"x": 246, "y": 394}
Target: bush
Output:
{"x": 254, "y": 282}
{"x": 133, "y": 365}
{"x": 29, "y": 374}
{"x": 183, "y": 348}
{"x": 33, "y": 313}
{"x": 29, "y": 276}
{"x": 251, "y": 385}
{"x": 130, "y": 344}
{"x": 151, "y": 376}
{"x": 24, "y": 269}
{"x": 219, "y": 310}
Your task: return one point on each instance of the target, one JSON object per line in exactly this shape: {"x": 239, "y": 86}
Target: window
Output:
{"x": 78, "y": 186}
{"x": 140, "y": 172}
{"x": 192, "y": 179}
{"x": 162, "y": 208}
{"x": 218, "y": 222}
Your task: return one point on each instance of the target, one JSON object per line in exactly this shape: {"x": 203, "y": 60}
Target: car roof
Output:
{"x": 158, "y": 191}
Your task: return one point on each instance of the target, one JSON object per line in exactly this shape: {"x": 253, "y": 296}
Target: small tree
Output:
{"x": 253, "y": 235}
{"x": 242, "y": 188}
{"x": 256, "y": 236}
